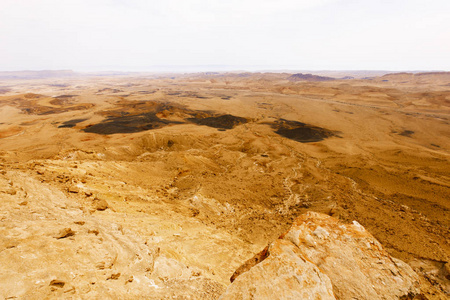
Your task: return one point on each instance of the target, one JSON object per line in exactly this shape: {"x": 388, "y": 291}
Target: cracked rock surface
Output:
{"x": 320, "y": 257}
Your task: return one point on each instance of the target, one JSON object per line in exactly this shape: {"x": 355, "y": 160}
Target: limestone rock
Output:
{"x": 40, "y": 260}
{"x": 73, "y": 189}
{"x": 284, "y": 274}
{"x": 355, "y": 261}
{"x": 319, "y": 249}
{"x": 101, "y": 204}
{"x": 113, "y": 276}
{"x": 57, "y": 283}
{"x": 63, "y": 233}
{"x": 10, "y": 191}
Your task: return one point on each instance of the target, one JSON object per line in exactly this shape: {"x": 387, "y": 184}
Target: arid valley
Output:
{"x": 161, "y": 186}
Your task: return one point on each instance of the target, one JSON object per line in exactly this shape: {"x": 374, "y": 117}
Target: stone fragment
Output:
{"x": 101, "y": 204}
{"x": 10, "y": 191}
{"x": 63, "y": 233}
{"x": 94, "y": 231}
{"x": 57, "y": 283}
{"x": 114, "y": 276}
{"x": 73, "y": 189}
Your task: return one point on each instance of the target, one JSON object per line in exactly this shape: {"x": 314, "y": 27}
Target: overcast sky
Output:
{"x": 139, "y": 35}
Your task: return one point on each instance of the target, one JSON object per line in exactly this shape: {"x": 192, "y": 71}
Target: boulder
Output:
{"x": 319, "y": 249}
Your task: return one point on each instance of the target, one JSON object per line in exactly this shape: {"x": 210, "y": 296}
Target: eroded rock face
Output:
{"x": 50, "y": 248}
{"x": 319, "y": 250}
{"x": 285, "y": 274}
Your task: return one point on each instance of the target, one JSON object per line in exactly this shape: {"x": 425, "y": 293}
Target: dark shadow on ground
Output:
{"x": 71, "y": 123}
{"x": 220, "y": 122}
{"x": 301, "y": 132}
{"x": 136, "y": 116}
{"x": 129, "y": 124}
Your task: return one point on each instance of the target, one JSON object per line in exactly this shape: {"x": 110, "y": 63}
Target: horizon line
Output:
{"x": 188, "y": 69}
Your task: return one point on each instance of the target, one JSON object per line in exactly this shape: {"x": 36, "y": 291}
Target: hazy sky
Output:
{"x": 240, "y": 34}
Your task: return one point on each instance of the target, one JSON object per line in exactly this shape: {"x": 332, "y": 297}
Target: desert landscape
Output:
{"x": 165, "y": 186}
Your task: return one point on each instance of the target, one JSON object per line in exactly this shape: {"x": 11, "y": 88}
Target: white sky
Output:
{"x": 139, "y": 35}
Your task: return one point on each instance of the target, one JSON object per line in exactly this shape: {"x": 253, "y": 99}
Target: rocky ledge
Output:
{"x": 322, "y": 258}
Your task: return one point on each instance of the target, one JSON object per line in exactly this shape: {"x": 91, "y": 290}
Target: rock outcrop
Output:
{"x": 322, "y": 258}
{"x": 285, "y": 274}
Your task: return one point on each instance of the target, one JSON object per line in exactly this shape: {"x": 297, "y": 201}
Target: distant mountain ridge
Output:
{"x": 36, "y": 74}
{"x": 419, "y": 74}
{"x": 309, "y": 77}
{"x": 442, "y": 78}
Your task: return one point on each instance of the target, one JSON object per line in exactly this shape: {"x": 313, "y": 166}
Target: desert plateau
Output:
{"x": 225, "y": 185}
